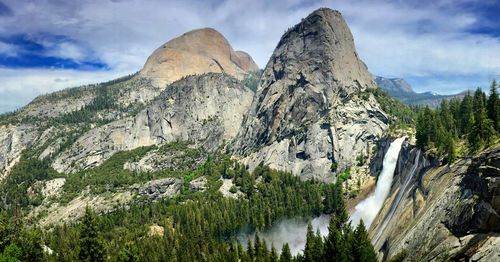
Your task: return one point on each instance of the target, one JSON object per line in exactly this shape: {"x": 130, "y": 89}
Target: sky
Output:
{"x": 443, "y": 46}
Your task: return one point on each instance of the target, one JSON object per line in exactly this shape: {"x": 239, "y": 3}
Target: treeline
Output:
{"x": 102, "y": 101}
{"x": 459, "y": 127}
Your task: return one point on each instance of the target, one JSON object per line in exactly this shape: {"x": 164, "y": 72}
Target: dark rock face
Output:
{"x": 481, "y": 183}
{"x": 161, "y": 188}
{"x": 307, "y": 109}
{"x": 377, "y": 160}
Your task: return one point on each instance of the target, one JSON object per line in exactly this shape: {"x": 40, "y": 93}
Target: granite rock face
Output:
{"x": 193, "y": 53}
{"x": 445, "y": 213}
{"x": 13, "y": 140}
{"x": 308, "y": 115}
{"x": 206, "y": 110}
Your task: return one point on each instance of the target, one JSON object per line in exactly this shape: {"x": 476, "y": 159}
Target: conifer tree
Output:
{"x": 274, "y": 254}
{"x": 286, "y": 255}
{"x": 250, "y": 250}
{"x": 466, "y": 114}
{"x": 310, "y": 248}
{"x": 362, "y": 248}
{"x": 91, "y": 245}
{"x": 334, "y": 242}
{"x": 494, "y": 106}
{"x": 482, "y": 130}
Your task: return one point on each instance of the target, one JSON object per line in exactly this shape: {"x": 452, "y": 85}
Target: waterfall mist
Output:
{"x": 369, "y": 208}
{"x": 291, "y": 231}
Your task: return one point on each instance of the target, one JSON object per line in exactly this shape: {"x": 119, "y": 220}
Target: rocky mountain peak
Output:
{"x": 310, "y": 84}
{"x": 322, "y": 41}
{"x": 193, "y": 53}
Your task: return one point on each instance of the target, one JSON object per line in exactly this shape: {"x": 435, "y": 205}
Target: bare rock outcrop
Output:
{"x": 13, "y": 140}
{"x": 206, "y": 110}
{"x": 449, "y": 212}
{"x": 193, "y": 53}
{"x": 160, "y": 188}
{"x": 199, "y": 184}
{"x": 308, "y": 116}
{"x": 246, "y": 62}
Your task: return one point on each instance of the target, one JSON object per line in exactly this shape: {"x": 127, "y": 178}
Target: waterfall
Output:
{"x": 369, "y": 208}
{"x": 395, "y": 204}
{"x": 293, "y": 231}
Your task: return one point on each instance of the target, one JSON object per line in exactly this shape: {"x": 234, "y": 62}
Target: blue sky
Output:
{"x": 444, "y": 46}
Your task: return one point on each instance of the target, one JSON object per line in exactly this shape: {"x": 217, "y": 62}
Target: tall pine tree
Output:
{"x": 482, "y": 130}
{"x": 91, "y": 244}
{"x": 494, "y": 106}
{"x": 286, "y": 255}
{"x": 362, "y": 248}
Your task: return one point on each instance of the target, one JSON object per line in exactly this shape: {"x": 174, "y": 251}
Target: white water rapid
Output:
{"x": 395, "y": 204}
{"x": 369, "y": 208}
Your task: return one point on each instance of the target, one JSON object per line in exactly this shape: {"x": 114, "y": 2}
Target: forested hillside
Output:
{"x": 195, "y": 226}
{"x": 460, "y": 127}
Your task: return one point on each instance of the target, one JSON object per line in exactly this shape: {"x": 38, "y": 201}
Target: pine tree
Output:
{"x": 310, "y": 247}
{"x": 446, "y": 117}
{"x": 482, "y": 130}
{"x": 91, "y": 245}
{"x": 466, "y": 114}
{"x": 258, "y": 248}
{"x": 274, "y": 255}
{"x": 286, "y": 255}
{"x": 250, "y": 250}
{"x": 362, "y": 247}
{"x": 494, "y": 106}
{"x": 335, "y": 246}
{"x": 319, "y": 247}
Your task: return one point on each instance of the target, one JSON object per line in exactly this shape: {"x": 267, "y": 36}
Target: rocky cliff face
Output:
{"x": 307, "y": 116}
{"x": 205, "y": 110}
{"x": 445, "y": 212}
{"x": 193, "y": 53}
{"x": 13, "y": 140}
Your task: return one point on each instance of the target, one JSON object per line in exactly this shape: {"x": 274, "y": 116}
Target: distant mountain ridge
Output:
{"x": 402, "y": 90}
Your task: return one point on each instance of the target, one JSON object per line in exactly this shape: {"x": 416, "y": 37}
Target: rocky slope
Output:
{"x": 206, "y": 110}
{"x": 444, "y": 212}
{"x": 307, "y": 116}
{"x": 196, "y": 52}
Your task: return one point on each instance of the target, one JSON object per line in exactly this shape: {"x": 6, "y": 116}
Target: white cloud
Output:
{"x": 67, "y": 50}
{"x": 394, "y": 38}
{"x": 8, "y": 49}
{"x": 19, "y": 86}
